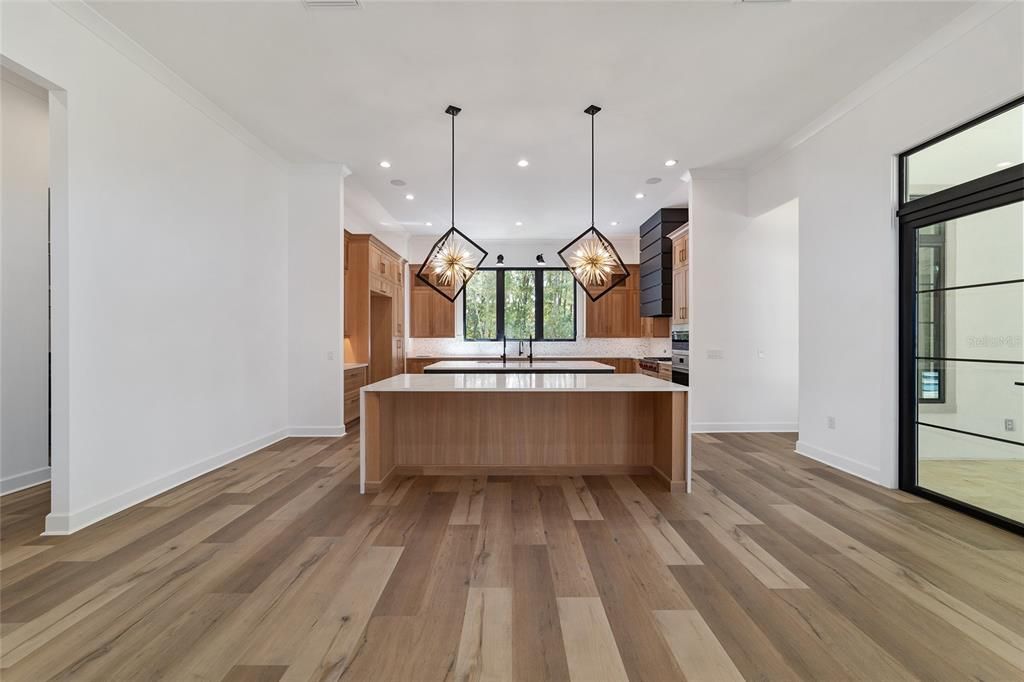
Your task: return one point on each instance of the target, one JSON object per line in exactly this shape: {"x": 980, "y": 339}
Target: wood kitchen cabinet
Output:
{"x": 431, "y": 315}
{"x": 374, "y": 306}
{"x": 681, "y": 251}
{"x": 355, "y": 378}
{"x": 681, "y": 279}
{"x": 616, "y": 315}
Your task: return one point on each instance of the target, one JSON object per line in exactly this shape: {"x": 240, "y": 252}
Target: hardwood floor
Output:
{"x": 275, "y": 568}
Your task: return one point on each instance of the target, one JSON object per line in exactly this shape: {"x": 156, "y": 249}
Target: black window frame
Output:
{"x": 538, "y": 315}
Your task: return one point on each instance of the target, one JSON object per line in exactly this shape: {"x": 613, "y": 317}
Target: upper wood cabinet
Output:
{"x": 431, "y": 315}
{"x": 681, "y": 251}
{"x": 681, "y": 279}
{"x": 617, "y": 313}
{"x": 374, "y": 305}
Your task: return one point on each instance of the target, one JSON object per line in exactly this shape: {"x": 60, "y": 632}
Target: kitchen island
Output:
{"x": 523, "y": 424}
{"x": 518, "y": 367}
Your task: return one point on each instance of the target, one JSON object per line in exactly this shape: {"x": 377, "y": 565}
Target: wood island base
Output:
{"x": 524, "y": 433}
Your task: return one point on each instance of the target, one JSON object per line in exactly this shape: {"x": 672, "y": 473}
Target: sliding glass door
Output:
{"x": 962, "y": 318}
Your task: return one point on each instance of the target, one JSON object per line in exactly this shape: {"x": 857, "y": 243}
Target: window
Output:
{"x": 931, "y": 254}
{"x": 518, "y": 304}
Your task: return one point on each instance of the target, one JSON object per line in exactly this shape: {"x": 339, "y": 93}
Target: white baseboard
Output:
{"x": 741, "y": 427}
{"x": 13, "y": 484}
{"x": 315, "y": 431}
{"x": 65, "y": 524}
{"x": 850, "y": 466}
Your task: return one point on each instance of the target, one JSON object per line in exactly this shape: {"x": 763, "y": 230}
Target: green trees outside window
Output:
{"x": 520, "y": 304}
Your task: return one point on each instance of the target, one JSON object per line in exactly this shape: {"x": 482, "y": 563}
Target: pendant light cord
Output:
{"x": 592, "y": 185}
{"x": 453, "y": 170}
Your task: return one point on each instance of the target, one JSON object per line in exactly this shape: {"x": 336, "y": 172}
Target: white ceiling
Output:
{"x": 708, "y": 84}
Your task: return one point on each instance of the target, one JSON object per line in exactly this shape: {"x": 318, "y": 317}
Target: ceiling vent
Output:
{"x": 352, "y": 4}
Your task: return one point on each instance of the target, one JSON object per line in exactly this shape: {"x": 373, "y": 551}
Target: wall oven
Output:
{"x": 681, "y": 357}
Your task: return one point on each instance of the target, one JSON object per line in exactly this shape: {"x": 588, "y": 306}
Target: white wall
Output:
{"x": 315, "y": 300}
{"x": 743, "y": 309}
{"x": 844, "y": 179}
{"x": 523, "y": 253}
{"x": 24, "y": 430}
{"x": 172, "y": 317}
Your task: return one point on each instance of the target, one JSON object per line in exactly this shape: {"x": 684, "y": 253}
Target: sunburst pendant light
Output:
{"x": 591, "y": 258}
{"x": 454, "y": 258}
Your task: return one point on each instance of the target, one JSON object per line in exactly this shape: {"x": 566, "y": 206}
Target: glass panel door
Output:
{"x": 970, "y": 313}
{"x": 962, "y": 330}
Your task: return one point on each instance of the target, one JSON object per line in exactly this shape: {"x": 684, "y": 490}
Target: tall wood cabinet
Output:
{"x": 681, "y": 279}
{"x": 617, "y": 313}
{"x": 374, "y": 306}
{"x": 431, "y": 315}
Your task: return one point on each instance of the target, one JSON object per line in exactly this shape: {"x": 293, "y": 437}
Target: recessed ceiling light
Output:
{"x": 639, "y": 195}
{"x": 615, "y": 223}
{"x": 385, "y": 164}
{"x": 1004, "y": 164}
{"x": 410, "y": 197}
{"x": 430, "y": 224}
{"x": 671, "y": 162}
{"x": 519, "y": 223}
{"x": 523, "y": 163}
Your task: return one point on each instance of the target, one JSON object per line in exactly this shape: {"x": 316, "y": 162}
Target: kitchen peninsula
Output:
{"x": 508, "y": 424}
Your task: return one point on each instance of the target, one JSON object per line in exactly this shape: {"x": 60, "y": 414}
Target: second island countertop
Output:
{"x": 518, "y": 366}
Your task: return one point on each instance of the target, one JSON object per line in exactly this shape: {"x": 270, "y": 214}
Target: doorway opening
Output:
{"x": 34, "y": 269}
{"x": 25, "y": 324}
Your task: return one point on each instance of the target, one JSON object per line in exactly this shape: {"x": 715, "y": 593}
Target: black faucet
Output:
{"x": 530, "y": 356}
{"x": 504, "y": 355}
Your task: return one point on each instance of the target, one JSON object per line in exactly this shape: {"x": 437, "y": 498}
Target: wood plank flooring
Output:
{"x": 275, "y": 568}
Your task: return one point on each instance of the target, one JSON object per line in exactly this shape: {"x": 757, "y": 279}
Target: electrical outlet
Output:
{"x": 714, "y": 354}
{"x": 830, "y": 422}
{"x": 1009, "y": 425}
{"x": 760, "y": 354}
{"x": 330, "y": 355}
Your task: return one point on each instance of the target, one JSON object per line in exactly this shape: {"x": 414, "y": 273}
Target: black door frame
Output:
{"x": 997, "y": 189}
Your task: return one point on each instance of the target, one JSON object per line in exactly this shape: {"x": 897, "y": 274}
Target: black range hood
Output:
{"x": 656, "y": 261}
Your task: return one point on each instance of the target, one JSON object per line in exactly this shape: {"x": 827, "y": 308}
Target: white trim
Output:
{"x": 65, "y": 524}
{"x": 961, "y": 25}
{"x": 850, "y": 466}
{"x": 714, "y": 174}
{"x": 13, "y": 484}
{"x": 126, "y": 46}
{"x": 317, "y": 431}
{"x": 741, "y": 427}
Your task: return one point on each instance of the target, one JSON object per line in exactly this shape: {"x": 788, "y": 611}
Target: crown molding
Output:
{"x": 959, "y": 26}
{"x": 715, "y": 174}
{"x": 131, "y": 50}
{"x": 330, "y": 169}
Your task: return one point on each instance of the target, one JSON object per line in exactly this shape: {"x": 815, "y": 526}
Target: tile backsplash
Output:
{"x": 589, "y": 348}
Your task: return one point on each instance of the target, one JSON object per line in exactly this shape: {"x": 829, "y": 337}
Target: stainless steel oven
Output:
{"x": 681, "y": 357}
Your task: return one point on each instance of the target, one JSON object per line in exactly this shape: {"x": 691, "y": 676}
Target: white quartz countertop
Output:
{"x": 526, "y": 383}
{"x": 517, "y": 358}
{"x": 513, "y": 366}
